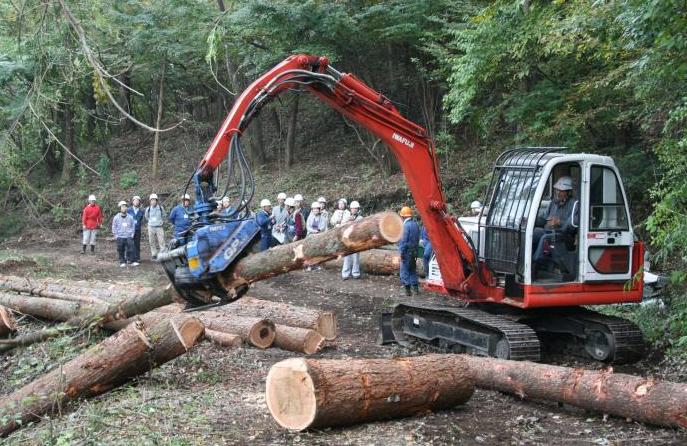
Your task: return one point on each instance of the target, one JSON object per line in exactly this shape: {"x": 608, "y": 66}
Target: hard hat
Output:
{"x": 153, "y": 197}
{"x": 355, "y": 205}
{"x": 290, "y": 202}
{"x": 281, "y": 196}
{"x": 122, "y": 203}
{"x": 136, "y": 197}
{"x": 564, "y": 183}
{"x": 315, "y": 205}
{"x": 298, "y": 197}
{"x": 186, "y": 197}
{"x": 226, "y": 200}
{"x": 475, "y": 205}
{"x": 406, "y": 212}
{"x": 265, "y": 202}
{"x": 91, "y": 197}
{"x": 322, "y": 200}
{"x": 344, "y": 201}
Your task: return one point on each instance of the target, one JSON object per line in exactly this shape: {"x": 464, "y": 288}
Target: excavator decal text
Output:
{"x": 403, "y": 140}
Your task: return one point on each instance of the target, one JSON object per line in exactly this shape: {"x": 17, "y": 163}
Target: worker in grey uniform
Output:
{"x": 280, "y": 215}
{"x": 351, "y": 263}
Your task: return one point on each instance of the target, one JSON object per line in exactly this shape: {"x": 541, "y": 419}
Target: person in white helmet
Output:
{"x": 155, "y": 216}
{"x": 557, "y": 230}
{"x": 137, "y": 214}
{"x": 226, "y": 210}
{"x": 91, "y": 219}
{"x": 475, "y": 208}
{"x": 280, "y": 214}
{"x": 265, "y": 221}
{"x": 341, "y": 214}
{"x": 290, "y": 224}
{"x": 323, "y": 211}
{"x": 180, "y": 217}
{"x": 316, "y": 222}
{"x": 351, "y": 263}
{"x": 298, "y": 198}
{"x": 123, "y": 228}
{"x": 300, "y": 219}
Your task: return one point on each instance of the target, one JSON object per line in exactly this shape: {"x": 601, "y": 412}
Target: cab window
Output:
{"x": 606, "y": 202}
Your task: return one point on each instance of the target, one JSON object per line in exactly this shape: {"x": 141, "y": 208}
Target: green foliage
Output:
{"x": 103, "y": 168}
{"x": 128, "y": 179}
{"x": 11, "y": 224}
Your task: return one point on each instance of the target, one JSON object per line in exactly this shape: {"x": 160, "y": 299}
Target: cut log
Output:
{"x": 306, "y": 393}
{"x": 296, "y": 339}
{"x": 368, "y": 233}
{"x": 80, "y": 291}
{"x": 256, "y": 331}
{"x": 647, "y": 400}
{"x": 112, "y": 362}
{"x": 7, "y": 323}
{"x": 46, "y": 308}
{"x": 223, "y": 339}
{"x": 380, "y": 262}
{"x": 324, "y": 322}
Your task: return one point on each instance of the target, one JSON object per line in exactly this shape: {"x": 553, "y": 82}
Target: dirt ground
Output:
{"x": 214, "y": 396}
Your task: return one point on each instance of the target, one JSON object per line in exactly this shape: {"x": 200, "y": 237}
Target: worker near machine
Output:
{"x": 226, "y": 210}
{"x": 407, "y": 247}
{"x": 298, "y": 198}
{"x": 137, "y": 214}
{"x": 290, "y": 223}
{"x": 299, "y": 223}
{"x": 475, "y": 208}
{"x": 123, "y": 228}
{"x": 155, "y": 215}
{"x": 91, "y": 219}
{"x": 558, "y": 222}
{"x": 180, "y": 217}
{"x": 279, "y": 214}
{"x": 427, "y": 252}
{"x": 316, "y": 222}
{"x": 340, "y": 215}
{"x": 265, "y": 221}
{"x": 324, "y": 212}
{"x": 351, "y": 263}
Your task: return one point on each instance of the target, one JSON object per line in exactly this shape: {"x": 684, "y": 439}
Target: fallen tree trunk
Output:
{"x": 7, "y": 323}
{"x": 307, "y": 393}
{"x": 380, "y": 262}
{"x": 223, "y": 339}
{"x": 80, "y": 291}
{"x": 112, "y": 362}
{"x": 662, "y": 403}
{"x": 46, "y": 308}
{"x": 296, "y": 339}
{"x": 323, "y": 322}
{"x": 256, "y": 331}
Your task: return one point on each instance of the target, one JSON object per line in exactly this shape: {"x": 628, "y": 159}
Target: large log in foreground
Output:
{"x": 661, "y": 403}
{"x": 306, "y": 393}
{"x": 7, "y": 323}
{"x": 110, "y": 363}
{"x": 380, "y": 262}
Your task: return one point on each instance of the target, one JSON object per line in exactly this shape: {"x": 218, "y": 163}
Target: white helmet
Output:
{"x": 343, "y": 200}
{"x": 290, "y": 202}
{"x": 355, "y": 205}
{"x": 186, "y": 197}
{"x": 136, "y": 197}
{"x": 298, "y": 197}
{"x": 475, "y": 205}
{"x": 226, "y": 200}
{"x": 91, "y": 197}
{"x": 122, "y": 203}
{"x": 265, "y": 202}
{"x": 315, "y": 205}
{"x": 322, "y": 200}
{"x": 281, "y": 196}
{"x": 564, "y": 183}
{"x": 153, "y": 197}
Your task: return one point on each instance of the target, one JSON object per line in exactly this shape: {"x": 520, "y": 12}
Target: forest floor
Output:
{"x": 215, "y": 396}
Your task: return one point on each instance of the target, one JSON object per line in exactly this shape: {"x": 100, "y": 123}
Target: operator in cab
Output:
{"x": 555, "y": 233}
{"x": 180, "y": 217}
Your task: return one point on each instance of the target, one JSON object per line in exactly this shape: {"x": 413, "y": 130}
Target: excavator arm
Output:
{"x": 462, "y": 272}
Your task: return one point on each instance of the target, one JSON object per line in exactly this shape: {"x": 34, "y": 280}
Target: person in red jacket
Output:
{"x": 91, "y": 220}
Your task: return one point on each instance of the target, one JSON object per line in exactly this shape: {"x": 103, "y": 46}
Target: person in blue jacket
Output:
{"x": 428, "y": 251}
{"x": 180, "y": 217}
{"x": 265, "y": 221}
{"x": 137, "y": 214}
{"x": 407, "y": 247}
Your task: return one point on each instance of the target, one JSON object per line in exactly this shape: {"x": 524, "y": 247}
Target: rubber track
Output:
{"x": 629, "y": 342}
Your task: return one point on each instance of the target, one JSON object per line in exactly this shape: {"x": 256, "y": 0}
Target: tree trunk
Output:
{"x": 291, "y": 131}
{"x": 7, "y": 323}
{"x": 158, "y": 120}
{"x": 368, "y": 233}
{"x": 46, "y": 308}
{"x": 381, "y": 262}
{"x": 112, "y": 362}
{"x": 258, "y": 332}
{"x": 223, "y": 339}
{"x": 323, "y": 322}
{"x": 67, "y": 160}
{"x": 257, "y": 141}
{"x": 81, "y": 291}
{"x": 662, "y": 403}
{"x": 296, "y": 339}
{"x": 307, "y": 393}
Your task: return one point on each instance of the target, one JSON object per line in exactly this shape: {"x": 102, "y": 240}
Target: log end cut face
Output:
{"x": 391, "y": 227}
{"x": 290, "y": 394}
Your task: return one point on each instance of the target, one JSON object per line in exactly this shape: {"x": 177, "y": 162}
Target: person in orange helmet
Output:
{"x": 407, "y": 247}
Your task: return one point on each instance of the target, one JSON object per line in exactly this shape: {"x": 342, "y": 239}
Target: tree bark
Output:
{"x": 67, "y": 161}
{"x": 112, "y": 362}
{"x": 80, "y": 291}
{"x": 323, "y": 322}
{"x": 308, "y": 393}
{"x": 381, "y": 262}
{"x": 662, "y": 403}
{"x": 296, "y": 339}
{"x": 7, "y": 323}
{"x": 291, "y": 131}
{"x": 258, "y": 332}
{"x": 158, "y": 120}
{"x": 223, "y": 339}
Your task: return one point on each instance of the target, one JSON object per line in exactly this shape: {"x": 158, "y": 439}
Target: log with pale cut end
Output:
{"x": 108, "y": 364}
{"x": 324, "y": 322}
{"x": 296, "y": 339}
{"x": 307, "y": 393}
{"x": 7, "y": 323}
{"x": 368, "y": 233}
{"x": 647, "y": 400}
{"x": 223, "y": 339}
{"x": 380, "y": 262}
{"x": 46, "y": 308}
{"x": 256, "y": 331}
{"x": 79, "y": 291}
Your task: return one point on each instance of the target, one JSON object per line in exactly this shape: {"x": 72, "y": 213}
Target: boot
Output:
{"x": 416, "y": 289}
{"x": 408, "y": 292}
{"x": 84, "y": 250}
{"x": 92, "y": 249}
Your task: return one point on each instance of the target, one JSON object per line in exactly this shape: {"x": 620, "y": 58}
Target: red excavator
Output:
{"x": 499, "y": 301}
